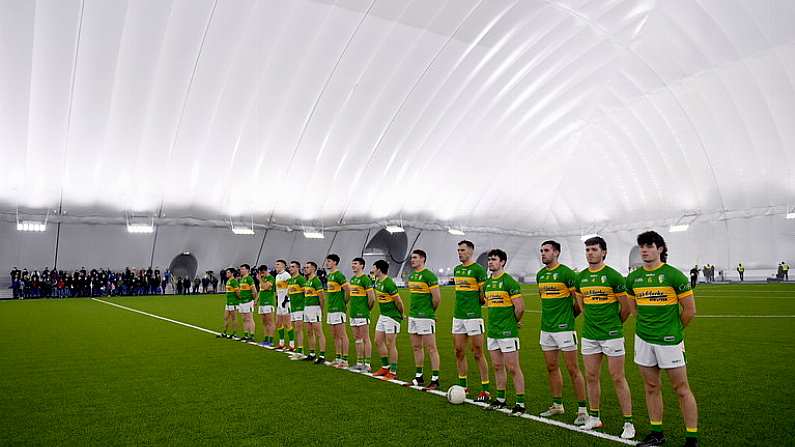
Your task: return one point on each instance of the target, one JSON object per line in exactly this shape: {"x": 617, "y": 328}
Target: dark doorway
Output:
{"x": 390, "y": 247}
{"x": 184, "y": 266}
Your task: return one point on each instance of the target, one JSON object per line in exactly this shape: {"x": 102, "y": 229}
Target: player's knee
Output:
{"x": 552, "y": 367}
{"x": 574, "y": 371}
{"x": 652, "y": 386}
{"x": 459, "y": 352}
{"x": 682, "y": 390}
{"x": 592, "y": 376}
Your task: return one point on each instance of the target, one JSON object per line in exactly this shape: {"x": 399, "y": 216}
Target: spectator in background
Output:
{"x": 205, "y": 283}
{"x": 196, "y": 284}
{"x": 693, "y": 276}
{"x": 741, "y": 271}
{"x": 785, "y": 271}
{"x": 186, "y": 283}
{"x": 179, "y": 285}
{"x": 214, "y": 282}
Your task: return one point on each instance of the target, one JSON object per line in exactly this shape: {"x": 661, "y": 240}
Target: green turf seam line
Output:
{"x": 531, "y": 417}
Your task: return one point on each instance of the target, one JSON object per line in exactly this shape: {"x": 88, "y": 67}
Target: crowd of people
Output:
{"x": 106, "y": 282}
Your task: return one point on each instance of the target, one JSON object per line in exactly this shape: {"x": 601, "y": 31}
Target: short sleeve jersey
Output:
{"x": 359, "y": 286}
{"x": 231, "y": 291}
{"x": 311, "y": 289}
{"x": 469, "y": 280}
{"x": 267, "y": 297}
{"x": 295, "y": 290}
{"x": 420, "y": 285}
{"x": 335, "y": 296}
{"x": 600, "y": 291}
{"x": 386, "y": 291}
{"x": 500, "y": 293}
{"x": 556, "y": 288}
{"x": 246, "y": 289}
{"x": 657, "y": 294}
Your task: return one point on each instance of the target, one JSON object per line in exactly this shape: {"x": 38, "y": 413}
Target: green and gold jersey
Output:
{"x": 246, "y": 289}
{"x": 420, "y": 285}
{"x": 600, "y": 291}
{"x": 469, "y": 279}
{"x": 295, "y": 290}
{"x": 231, "y": 291}
{"x": 335, "y": 296}
{"x": 386, "y": 291}
{"x": 311, "y": 289}
{"x": 657, "y": 294}
{"x": 360, "y": 285}
{"x": 556, "y": 288}
{"x": 500, "y": 293}
{"x": 267, "y": 297}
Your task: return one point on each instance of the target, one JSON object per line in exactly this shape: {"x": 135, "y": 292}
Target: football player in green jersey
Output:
{"x": 468, "y": 324}
{"x": 662, "y": 301}
{"x": 362, "y": 297}
{"x": 230, "y": 310}
{"x": 267, "y": 301}
{"x": 558, "y": 309}
{"x": 246, "y": 302}
{"x": 295, "y": 292}
{"x": 601, "y": 293}
{"x": 313, "y": 314}
{"x": 337, "y": 296}
{"x": 425, "y": 299}
{"x": 506, "y": 308}
{"x": 388, "y": 326}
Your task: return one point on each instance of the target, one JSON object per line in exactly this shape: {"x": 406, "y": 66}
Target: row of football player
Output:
{"x": 657, "y": 294}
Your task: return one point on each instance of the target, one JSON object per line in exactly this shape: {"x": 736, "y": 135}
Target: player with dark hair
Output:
{"x": 337, "y": 296}
{"x": 388, "y": 326}
{"x": 425, "y": 299}
{"x": 267, "y": 301}
{"x": 362, "y": 299}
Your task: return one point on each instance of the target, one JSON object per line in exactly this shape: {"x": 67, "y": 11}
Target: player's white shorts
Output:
{"x": 313, "y": 314}
{"x": 422, "y": 326}
{"x": 267, "y": 309}
{"x": 662, "y": 356}
{"x": 230, "y": 307}
{"x": 336, "y": 318}
{"x": 297, "y": 315}
{"x": 613, "y": 347}
{"x": 470, "y": 326}
{"x": 387, "y": 325}
{"x": 359, "y": 321}
{"x": 285, "y": 310}
{"x": 503, "y": 344}
{"x": 246, "y": 308}
{"x": 563, "y": 341}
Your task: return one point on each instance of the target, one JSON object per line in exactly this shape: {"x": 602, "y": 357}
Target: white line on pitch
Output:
{"x": 399, "y": 382}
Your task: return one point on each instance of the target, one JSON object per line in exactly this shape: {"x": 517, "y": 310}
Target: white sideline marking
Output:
{"x": 398, "y": 382}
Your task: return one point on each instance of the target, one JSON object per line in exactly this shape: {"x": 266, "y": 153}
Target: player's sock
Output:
{"x": 628, "y": 418}
{"x": 311, "y": 353}
{"x": 299, "y": 350}
{"x": 338, "y": 357}
{"x": 434, "y": 375}
{"x": 557, "y": 400}
{"x": 582, "y": 406}
{"x": 520, "y": 400}
{"x": 484, "y": 386}
{"x": 594, "y": 413}
{"x": 418, "y": 372}
{"x": 384, "y": 361}
{"x": 281, "y": 335}
{"x": 322, "y": 354}
{"x": 393, "y": 368}
{"x": 656, "y": 426}
{"x": 291, "y": 336}
{"x": 692, "y": 432}
{"x": 344, "y": 358}
{"x": 462, "y": 381}
{"x": 501, "y": 396}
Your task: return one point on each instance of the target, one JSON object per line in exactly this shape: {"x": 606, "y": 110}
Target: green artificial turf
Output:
{"x": 78, "y": 372}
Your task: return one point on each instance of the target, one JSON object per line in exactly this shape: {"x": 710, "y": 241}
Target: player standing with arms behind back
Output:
{"x": 425, "y": 299}
{"x": 506, "y": 308}
{"x": 267, "y": 300}
{"x": 468, "y": 325}
{"x": 230, "y": 310}
{"x": 362, "y": 299}
{"x": 558, "y": 309}
{"x": 388, "y": 326}
{"x": 664, "y": 305}
{"x": 603, "y": 300}
{"x": 337, "y": 296}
